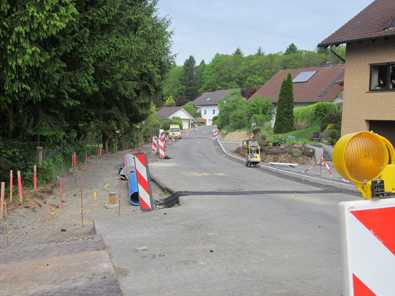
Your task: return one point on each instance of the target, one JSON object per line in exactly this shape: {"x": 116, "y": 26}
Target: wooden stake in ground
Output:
{"x": 6, "y": 223}
{"x": 61, "y": 192}
{"x": 48, "y": 211}
{"x": 20, "y": 188}
{"x": 2, "y": 200}
{"x": 11, "y": 184}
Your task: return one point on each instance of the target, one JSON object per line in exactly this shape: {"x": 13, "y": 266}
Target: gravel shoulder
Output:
{"x": 43, "y": 248}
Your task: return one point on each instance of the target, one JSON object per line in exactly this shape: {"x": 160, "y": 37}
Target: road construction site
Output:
{"x": 238, "y": 231}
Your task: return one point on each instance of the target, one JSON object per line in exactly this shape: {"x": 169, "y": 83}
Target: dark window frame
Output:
{"x": 388, "y": 89}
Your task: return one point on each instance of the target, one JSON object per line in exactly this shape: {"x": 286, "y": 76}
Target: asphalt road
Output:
{"x": 258, "y": 238}
{"x": 197, "y": 164}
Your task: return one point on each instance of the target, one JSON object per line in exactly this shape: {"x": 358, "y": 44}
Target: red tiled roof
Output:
{"x": 323, "y": 86}
{"x": 374, "y": 21}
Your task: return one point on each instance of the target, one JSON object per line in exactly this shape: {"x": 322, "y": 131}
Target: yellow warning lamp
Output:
{"x": 368, "y": 160}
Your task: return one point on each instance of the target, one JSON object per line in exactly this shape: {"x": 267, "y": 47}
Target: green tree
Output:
{"x": 172, "y": 84}
{"x": 169, "y": 101}
{"x": 233, "y": 112}
{"x": 188, "y": 79}
{"x": 79, "y": 68}
{"x": 260, "y": 51}
{"x": 191, "y": 109}
{"x": 285, "y": 115}
{"x": 292, "y": 48}
{"x": 238, "y": 52}
{"x": 200, "y": 74}
{"x": 259, "y": 110}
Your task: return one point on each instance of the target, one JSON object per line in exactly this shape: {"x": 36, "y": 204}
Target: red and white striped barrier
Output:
{"x": 162, "y": 146}
{"x": 143, "y": 180}
{"x": 325, "y": 164}
{"x": 369, "y": 240}
{"x": 154, "y": 145}
{"x": 215, "y": 134}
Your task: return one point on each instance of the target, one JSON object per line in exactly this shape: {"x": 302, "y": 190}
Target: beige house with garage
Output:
{"x": 369, "y": 83}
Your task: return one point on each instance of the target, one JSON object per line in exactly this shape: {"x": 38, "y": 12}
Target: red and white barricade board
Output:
{"x": 143, "y": 180}
{"x": 369, "y": 247}
{"x": 215, "y": 134}
{"x": 154, "y": 145}
{"x": 162, "y": 146}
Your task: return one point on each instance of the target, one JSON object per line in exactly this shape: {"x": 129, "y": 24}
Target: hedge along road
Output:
{"x": 280, "y": 237}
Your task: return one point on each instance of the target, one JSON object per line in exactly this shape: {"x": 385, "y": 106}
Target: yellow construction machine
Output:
{"x": 253, "y": 153}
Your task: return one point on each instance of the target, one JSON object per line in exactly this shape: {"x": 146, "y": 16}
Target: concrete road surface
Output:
{"x": 261, "y": 235}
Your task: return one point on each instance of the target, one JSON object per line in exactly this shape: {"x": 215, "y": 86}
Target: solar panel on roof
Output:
{"x": 304, "y": 76}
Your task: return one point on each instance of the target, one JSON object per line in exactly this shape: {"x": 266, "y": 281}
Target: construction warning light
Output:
{"x": 368, "y": 160}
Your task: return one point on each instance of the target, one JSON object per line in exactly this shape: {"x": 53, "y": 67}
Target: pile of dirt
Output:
{"x": 299, "y": 154}
{"x": 237, "y": 136}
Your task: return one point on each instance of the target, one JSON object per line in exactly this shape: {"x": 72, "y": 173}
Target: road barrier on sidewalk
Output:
{"x": 369, "y": 247}
{"x": 162, "y": 146}
{"x": 215, "y": 134}
{"x": 154, "y": 145}
{"x": 143, "y": 180}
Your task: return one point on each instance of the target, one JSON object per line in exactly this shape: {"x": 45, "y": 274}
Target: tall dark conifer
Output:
{"x": 188, "y": 79}
{"x": 285, "y": 108}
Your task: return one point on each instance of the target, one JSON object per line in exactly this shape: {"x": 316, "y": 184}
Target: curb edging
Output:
{"x": 172, "y": 200}
{"x": 293, "y": 176}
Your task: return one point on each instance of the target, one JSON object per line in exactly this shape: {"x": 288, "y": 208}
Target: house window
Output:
{"x": 213, "y": 111}
{"x": 205, "y": 112}
{"x": 382, "y": 77}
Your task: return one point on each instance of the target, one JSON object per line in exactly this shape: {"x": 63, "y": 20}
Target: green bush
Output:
{"x": 238, "y": 119}
{"x": 304, "y": 116}
{"x": 321, "y": 114}
{"x": 331, "y": 135}
{"x": 191, "y": 109}
{"x": 237, "y": 113}
{"x": 259, "y": 110}
{"x": 165, "y": 124}
{"x": 176, "y": 120}
{"x": 232, "y": 108}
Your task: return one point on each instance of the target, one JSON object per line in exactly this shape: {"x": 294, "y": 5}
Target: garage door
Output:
{"x": 384, "y": 128}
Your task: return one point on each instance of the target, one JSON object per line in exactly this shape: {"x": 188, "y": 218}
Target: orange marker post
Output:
{"x": 11, "y": 184}
{"x": 20, "y": 188}
{"x": 35, "y": 178}
{"x": 2, "y": 200}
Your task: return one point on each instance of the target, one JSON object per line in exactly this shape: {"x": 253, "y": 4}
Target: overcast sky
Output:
{"x": 203, "y": 28}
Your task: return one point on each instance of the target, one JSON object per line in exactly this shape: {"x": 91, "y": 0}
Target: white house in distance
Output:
{"x": 207, "y": 104}
{"x": 174, "y": 111}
